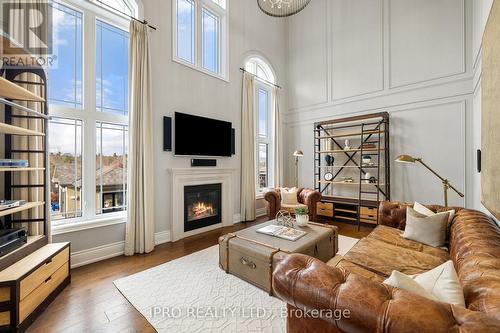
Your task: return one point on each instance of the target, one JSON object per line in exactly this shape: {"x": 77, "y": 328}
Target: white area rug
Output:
{"x": 192, "y": 294}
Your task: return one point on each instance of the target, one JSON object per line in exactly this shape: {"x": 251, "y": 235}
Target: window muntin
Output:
{"x": 66, "y": 74}
{"x": 210, "y": 41}
{"x": 65, "y": 158}
{"x": 186, "y": 30}
{"x": 111, "y": 69}
{"x": 200, "y": 35}
{"x": 111, "y": 167}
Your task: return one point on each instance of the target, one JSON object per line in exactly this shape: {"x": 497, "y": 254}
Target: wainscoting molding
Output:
{"x": 103, "y": 252}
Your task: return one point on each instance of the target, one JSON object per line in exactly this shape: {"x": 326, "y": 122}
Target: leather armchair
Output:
{"x": 307, "y": 197}
{"x": 308, "y": 284}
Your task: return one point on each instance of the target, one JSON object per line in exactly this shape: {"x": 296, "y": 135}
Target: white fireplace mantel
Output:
{"x": 181, "y": 177}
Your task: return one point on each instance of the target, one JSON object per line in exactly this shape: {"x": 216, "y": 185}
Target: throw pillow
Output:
{"x": 440, "y": 283}
{"x": 289, "y": 196}
{"x": 405, "y": 282}
{"x": 430, "y": 230}
{"x": 426, "y": 211}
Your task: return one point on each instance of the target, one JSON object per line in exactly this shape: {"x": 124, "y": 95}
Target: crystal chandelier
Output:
{"x": 282, "y": 8}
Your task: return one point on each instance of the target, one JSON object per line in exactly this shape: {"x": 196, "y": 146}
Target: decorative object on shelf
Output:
{"x": 347, "y": 144}
{"x": 297, "y": 154}
{"x": 5, "y": 162}
{"x": 366, "y": 159}
{"x": 282, "y": 8}
{"x": 369, "y": 146}
{"x": 367, "y": 177}
{"x": 330, "y": 160}
{"x": 372, "y": 180}
{"x": 284, "y": 218}
{"x": 328, "y": 176}
{"x": 302, "y": 216}
{"x": 348, "y": 180}
{"x": 445, "y": 182}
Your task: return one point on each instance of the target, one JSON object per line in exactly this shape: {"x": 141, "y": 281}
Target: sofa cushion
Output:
{"x": 353, "y": 268}
{"x": 394, "y": 236}
{"x": 291, "y": 208}
{"x": 383, "y": 258}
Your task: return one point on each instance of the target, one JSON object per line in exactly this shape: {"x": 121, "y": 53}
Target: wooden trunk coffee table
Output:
{"x": 252, "y": 256}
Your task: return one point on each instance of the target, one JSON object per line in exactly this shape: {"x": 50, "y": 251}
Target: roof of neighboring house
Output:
{"x": 112, "y": 174}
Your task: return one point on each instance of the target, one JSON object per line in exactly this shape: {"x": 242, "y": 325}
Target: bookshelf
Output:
{"x": 351, "y": 163}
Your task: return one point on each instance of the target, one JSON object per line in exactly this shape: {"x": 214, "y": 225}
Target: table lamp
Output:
{"x": 446, "y": 182}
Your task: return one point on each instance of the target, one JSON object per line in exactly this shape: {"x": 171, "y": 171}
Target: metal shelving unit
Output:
{"x": 350, "y": 195}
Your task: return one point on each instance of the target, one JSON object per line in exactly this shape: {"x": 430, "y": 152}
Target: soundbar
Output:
{"x": 203, "y": 163}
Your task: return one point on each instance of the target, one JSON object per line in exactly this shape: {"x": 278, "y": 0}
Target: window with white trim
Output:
{"x": 264, "y": 145}
{"x": 88, "y": 142}
{"x": 200, "y": 35}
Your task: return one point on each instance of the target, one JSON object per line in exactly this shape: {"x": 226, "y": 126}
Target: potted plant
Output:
{"x": 302, "y": 216}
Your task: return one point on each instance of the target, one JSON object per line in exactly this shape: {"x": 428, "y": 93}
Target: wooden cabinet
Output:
{"x": 30, "y": 284}
{"x": 325, "y": 209}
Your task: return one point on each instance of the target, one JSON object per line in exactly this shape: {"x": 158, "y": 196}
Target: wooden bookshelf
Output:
{"x": 368, "y": 137}
{"x": 12, "y": 91}
{"x": 20, "y": 169}
{"x": 16, "y": 130}
{"x": 26, "y": 206}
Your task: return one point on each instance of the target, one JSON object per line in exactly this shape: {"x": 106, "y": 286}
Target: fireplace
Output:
{"x": 202, "y": 206}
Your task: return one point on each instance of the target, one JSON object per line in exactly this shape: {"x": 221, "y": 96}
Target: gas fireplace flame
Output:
{"x": 202, "y": 209}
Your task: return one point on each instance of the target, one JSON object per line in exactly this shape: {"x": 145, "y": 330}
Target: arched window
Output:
{"x": 264, "y": 131}
{"x": 260, "y": 68}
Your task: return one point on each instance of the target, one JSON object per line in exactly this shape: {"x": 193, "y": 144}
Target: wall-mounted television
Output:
{"x": 200, "y": 136}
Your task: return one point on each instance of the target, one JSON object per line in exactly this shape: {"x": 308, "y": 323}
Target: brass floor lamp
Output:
{"x": 446, "y": 182}
{"x": 297, "y": 154}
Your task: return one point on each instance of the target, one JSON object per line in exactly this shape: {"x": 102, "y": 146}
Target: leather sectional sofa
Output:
{"x": 310, "y": 287}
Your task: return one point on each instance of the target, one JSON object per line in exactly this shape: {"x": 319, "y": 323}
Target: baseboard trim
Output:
{"x": 261, "y": 212}
{"x": 163, "y": 237}
{"x": 98, "y": 253}
{"x": 103, "y": 252}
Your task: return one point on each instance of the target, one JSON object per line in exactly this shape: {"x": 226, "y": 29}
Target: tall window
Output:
{"x": 263, "y": 118}
{"x": 88, "y": 142}
{"x": 200, "y": 35}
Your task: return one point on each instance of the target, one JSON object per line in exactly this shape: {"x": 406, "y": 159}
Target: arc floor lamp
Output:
{"x": 446, "y": 182}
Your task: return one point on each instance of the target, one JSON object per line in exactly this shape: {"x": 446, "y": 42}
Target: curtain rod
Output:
{"x": 123, "y": 13}
{"x": 268, "y": 82}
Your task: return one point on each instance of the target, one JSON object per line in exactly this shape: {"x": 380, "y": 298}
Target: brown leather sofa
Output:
{"x": 307, "y": 197}
{"x": 311, "y": 287}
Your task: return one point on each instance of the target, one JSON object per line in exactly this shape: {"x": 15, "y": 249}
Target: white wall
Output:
{"x": 179, "y": 88}
{"x": 480, "y": 13}
{"x": 409, "y": 58}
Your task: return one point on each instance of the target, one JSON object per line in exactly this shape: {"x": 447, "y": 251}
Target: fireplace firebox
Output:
{"x": 202, "y": 206}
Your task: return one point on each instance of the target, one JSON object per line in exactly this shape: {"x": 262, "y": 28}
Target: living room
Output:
{"x": 249, "y": 166}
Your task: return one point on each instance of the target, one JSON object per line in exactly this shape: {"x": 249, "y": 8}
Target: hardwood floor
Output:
{"x": 91, "y": 303}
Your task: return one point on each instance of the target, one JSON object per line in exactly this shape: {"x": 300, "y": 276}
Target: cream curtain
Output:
{"x": 278, "y": 139}
{"x": 248, "y": 174}
{"x": 141, "y": 223}
{"x": 17, "y": 28}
